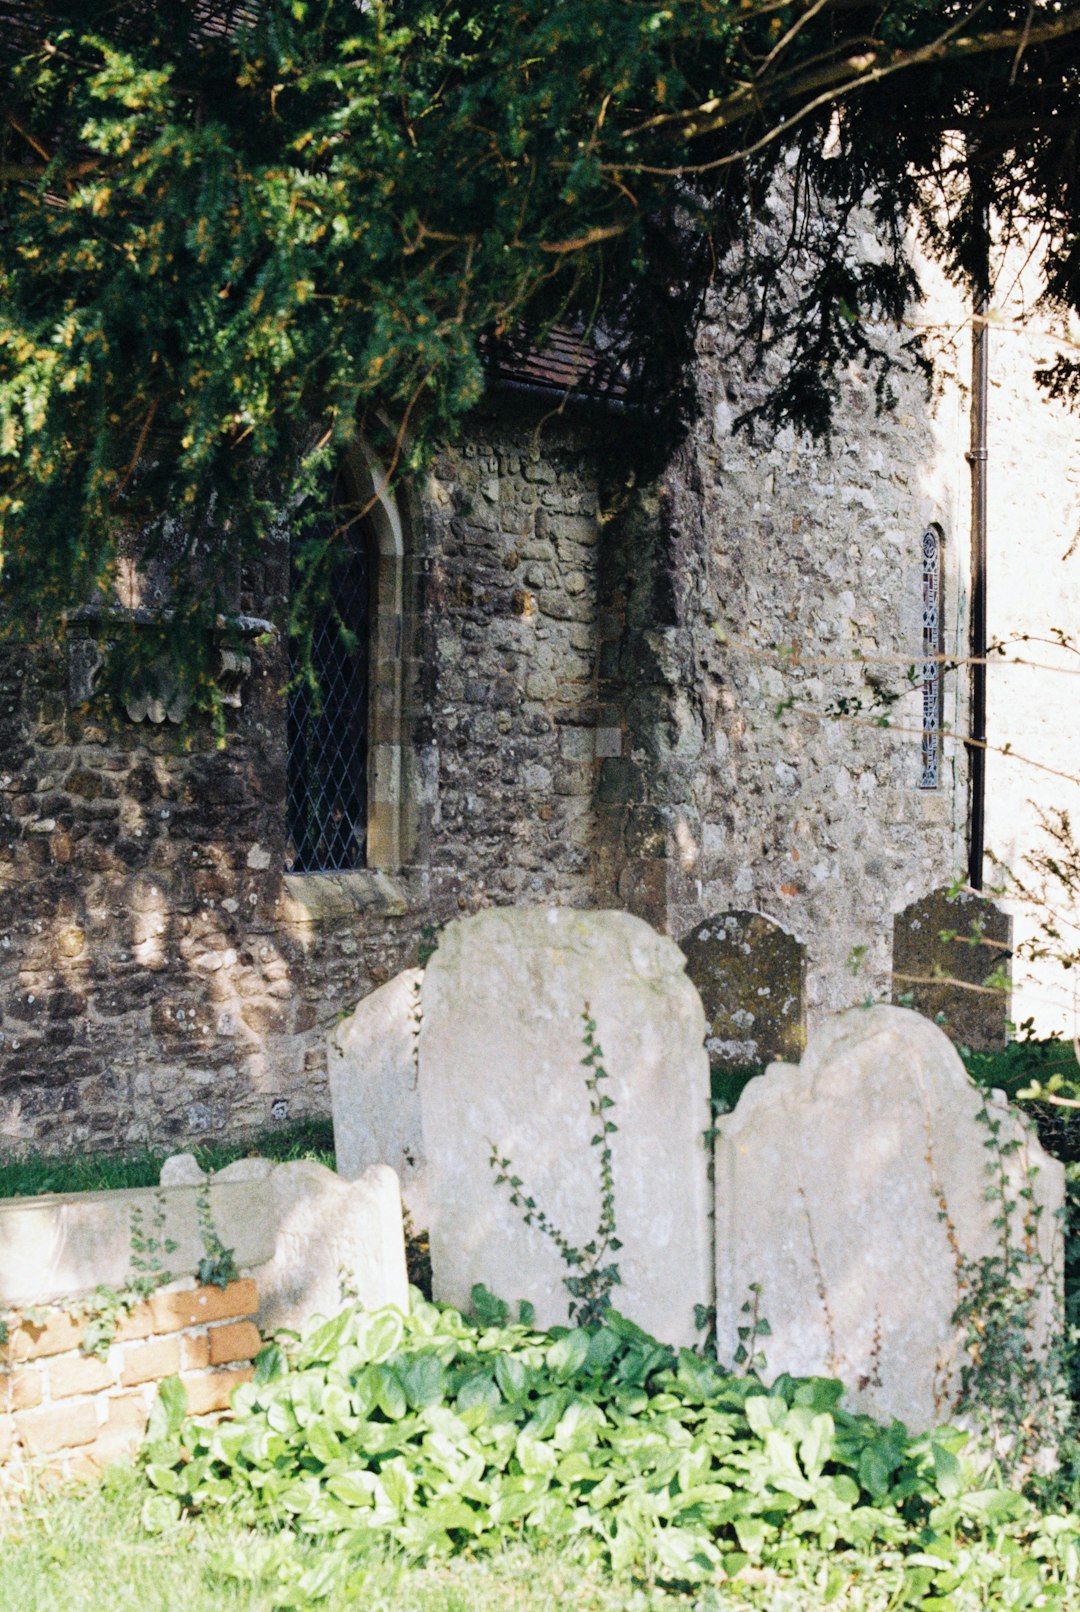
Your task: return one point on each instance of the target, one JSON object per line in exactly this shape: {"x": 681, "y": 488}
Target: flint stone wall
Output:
{"x": 850, "y": 1188}
{"x": 161, "y": 978}
{"x": 501, "y": 1049}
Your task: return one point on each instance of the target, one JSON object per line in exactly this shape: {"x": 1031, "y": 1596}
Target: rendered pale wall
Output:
{"x": 1034, "y": 588}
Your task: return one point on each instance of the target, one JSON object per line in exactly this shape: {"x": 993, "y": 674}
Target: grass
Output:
{"x": 29, "y": 1172}
{"x": 85, "y": 1549}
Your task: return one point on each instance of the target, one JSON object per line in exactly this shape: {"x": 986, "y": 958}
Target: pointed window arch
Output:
{"x": 345, "y": 724}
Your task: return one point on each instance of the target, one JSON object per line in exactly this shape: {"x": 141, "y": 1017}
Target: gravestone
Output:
{"x": 853, "y": 1189}
{"x": 501, "y": 1050}
{"x": 972, "y": 1013}
{"x": 751, "y": 977}
{"x": 334, "y": 1239}
{"x": 374, "y": 1095}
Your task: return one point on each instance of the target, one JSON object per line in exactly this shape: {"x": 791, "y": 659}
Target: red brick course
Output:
{"x": 42, "y": 1432}
{"x": 70, "y": 1414}
{"x": 196, "y": 1306}
{"x": 79, "y": 1374}
{"x": 213, "y": 1391}
{"x": 150, "y": 1362}
{"x": 238, "y": 1341}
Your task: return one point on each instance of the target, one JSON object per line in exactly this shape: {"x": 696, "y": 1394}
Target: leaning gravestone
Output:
{"x": 309, "y": 1238}
{"x": 501, "y": 1049}
{"x": 751, "y": 977}
{"x": 854, "y": 1190}
{"x": 946, "y": 978}
{"x": 374, "y": 1095}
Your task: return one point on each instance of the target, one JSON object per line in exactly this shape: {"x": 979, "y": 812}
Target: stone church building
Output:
{"x": 568, "y": 689}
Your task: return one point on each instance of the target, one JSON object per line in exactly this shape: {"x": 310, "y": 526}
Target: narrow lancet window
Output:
{"x": 328, "y": 720}
{"x": 932, "y": 641}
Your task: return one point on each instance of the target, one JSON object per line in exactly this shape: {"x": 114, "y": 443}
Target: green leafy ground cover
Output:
{"x": 441, "y": 1464}
{"x": 440, "y": 1437}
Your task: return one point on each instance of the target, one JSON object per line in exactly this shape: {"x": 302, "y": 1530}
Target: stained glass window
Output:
{"x": 932, "y": 640}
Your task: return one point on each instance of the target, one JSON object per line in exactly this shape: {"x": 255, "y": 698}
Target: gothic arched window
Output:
{"x": 329, "y": 711}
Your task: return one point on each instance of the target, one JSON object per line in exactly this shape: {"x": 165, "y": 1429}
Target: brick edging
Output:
{"x": 71, "y": 1412}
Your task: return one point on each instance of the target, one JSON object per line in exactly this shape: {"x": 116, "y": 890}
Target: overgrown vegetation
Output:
{"x": 234, "y": 235}
{"x": 442, "y": 1437}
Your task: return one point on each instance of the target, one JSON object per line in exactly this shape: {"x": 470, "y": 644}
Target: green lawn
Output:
{"x": 84, "y": 1551}
{"x": 27, "y": 1172}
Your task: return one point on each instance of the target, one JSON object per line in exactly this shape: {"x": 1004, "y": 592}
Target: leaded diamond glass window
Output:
{"x": 932, "y": 640}
{"x": 328, "y": 724}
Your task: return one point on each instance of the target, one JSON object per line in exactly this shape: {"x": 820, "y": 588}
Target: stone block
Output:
{"x": 751, "y": 977}
{"x": 55, "y": 1334}
{"x": 195, "y": 1352}
{"x": 946, "y": 978}
{"x": 150, "y": 1362}
{"x": 212, "y": 1391}
{"x": 234, "y": 1340}
{"x": 192, "y": 1307}
{"x": 79, "y": 1374}
{"x": 43, "y": 1432}
{"x": 501, "y": 1049}
{"x": 853, "y": 1189}
{"x": 20, "y": 1390}
{"x": 373, "y": 1088}
{"x": 332, "y": 1237}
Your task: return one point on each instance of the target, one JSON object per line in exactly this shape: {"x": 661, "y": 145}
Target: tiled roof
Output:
{"x": 569, "y": 364}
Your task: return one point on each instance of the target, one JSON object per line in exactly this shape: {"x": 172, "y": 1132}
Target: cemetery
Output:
{"x": 838, "y": 1305}
{"x": 539, "y": 897}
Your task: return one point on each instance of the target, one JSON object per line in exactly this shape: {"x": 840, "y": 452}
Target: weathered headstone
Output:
{"x": 751, "y": 977}
{"x": 303, "y": 1233}
{"x": 854, "y": 1190}
{"x": 374, "y": 1096}
{"x": 948, "y": 977}
{"x": 501, "y": 1049}
{"x": 334, "y": 1239}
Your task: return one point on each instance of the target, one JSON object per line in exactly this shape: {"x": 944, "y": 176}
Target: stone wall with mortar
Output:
{"x": 782, "y": 579}
{"x": 160, "y": 978}
{"x": 763, "y": 591}
{"x": 609, "y": 699}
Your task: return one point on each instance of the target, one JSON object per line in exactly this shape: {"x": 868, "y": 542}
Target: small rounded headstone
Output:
{"x": 182, "y": 1170}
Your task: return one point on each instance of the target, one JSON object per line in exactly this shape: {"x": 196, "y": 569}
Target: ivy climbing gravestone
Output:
{"x": 946, "y": 978}
{"x": 751, "y": 977}
{"x": 502, "y": 1039}
{"x": 859, "y": 1193}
